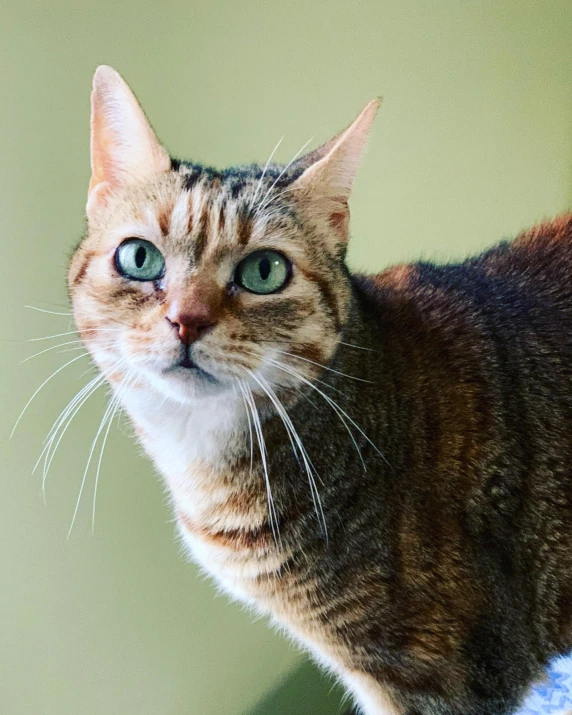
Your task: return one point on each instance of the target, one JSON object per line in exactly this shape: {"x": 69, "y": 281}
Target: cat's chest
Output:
{"x": 220, "y": 503}
{"x": 222, "y": 512}
{"x": 178, "y": 436}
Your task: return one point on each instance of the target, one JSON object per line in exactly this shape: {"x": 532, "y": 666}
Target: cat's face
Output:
{"x": 190, "y": 279}
{"x": 265, "y": 283}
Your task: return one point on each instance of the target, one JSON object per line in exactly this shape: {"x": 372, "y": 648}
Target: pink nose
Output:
{"x": 190, "y": 323}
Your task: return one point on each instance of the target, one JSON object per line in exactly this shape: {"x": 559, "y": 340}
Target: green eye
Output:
{"x": 139, "y": 260}
{"x": 263, "y": 272}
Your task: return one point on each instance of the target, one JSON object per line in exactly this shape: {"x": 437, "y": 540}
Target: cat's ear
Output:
{"x": 123, "y": 145}
{"x": 324, "y": 186}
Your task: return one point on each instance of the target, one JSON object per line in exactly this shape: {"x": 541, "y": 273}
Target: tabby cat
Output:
{"x": 383, "y": 464}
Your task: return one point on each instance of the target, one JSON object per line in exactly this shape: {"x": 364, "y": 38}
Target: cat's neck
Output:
{"x": 186, "y": 439}
{"x": 204, "y": 447}
{"x": 246, "y": 519}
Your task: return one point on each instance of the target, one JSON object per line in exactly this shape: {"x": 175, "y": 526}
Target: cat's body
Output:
{"x": 413, "y": 525}
{"x": 447, "y": 571}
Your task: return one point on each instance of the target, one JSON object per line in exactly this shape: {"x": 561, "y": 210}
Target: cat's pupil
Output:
{"x": 264, "y": 268}
{"x": 140, "y": 255}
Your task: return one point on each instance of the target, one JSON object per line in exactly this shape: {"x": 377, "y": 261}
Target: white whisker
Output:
{"x": 52, "y": 347}
{"x": 281, "y": 174}
{"x": 63, "y": 414}
{"x": 264, "y": 172}
{"x": 296, "y": 441}
{"x": 358, "y": 347}
{"x": 48, "y": 440}
{"x": 74, "y": 332}
{"x": 115, "y": 403}
{"x": 305, "y": 396}
{"x": 43, "y": 310}
{"x": 117, "y": 406}
{"x": 246, "y": 408}
{"x": 80, "y": 347}
{"x": 278, "y": 409}
{"x": 334, "y": 405}
{"x": 274, "y": 525}
{"x": 325, "y": 367}
{"x": 273, "y": 198}
{"x": 41, "y": 386}
{"x": 91, "y": 368}
{"x": 70, "y": 411}
{"x": 106, "y": 414}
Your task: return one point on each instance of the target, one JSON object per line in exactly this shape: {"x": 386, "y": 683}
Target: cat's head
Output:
{"x": 192, "y": 278}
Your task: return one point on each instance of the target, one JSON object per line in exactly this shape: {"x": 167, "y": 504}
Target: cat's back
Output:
{"x": 527, "y": 280}
{"x": 538, "y": 262}
{"x": 501, "y": 321}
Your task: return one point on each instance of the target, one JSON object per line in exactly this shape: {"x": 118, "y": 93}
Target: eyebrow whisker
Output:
{"x": 264, "y": 173}
{"x": 281, "y": 174}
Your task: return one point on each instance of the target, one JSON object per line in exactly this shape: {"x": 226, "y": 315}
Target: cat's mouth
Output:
{"x": 187, "y": 363}
{"x": 185, "y": 366}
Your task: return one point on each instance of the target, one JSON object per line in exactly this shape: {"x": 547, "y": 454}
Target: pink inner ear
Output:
{"x": 337, "y": 219}
{"x": 103, "y": 146}
{"x": 97, "y": 196}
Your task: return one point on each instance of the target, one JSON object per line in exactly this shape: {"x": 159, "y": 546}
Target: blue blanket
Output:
{"x": 554, "y": 695}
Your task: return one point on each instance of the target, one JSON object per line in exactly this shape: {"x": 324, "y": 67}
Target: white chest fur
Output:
{"x": 189, "y": 444}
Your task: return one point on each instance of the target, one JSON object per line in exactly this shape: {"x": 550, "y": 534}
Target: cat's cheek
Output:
{"x": 116, "y": 377}
{"x": 106, "y": 363}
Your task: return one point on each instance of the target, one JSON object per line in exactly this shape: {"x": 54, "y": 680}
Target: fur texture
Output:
{"x": 382, "y": 464}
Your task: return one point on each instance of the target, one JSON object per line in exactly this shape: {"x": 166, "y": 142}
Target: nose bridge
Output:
{"x": 196, "y": 292}
{"x": 193, "y": 307}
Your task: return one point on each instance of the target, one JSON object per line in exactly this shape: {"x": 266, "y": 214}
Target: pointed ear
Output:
{"x": 123, "y": 145}
{"x": 325, "y": 185}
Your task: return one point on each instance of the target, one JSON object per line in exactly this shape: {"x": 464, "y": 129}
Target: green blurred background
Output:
{"x": 473, "y": 143}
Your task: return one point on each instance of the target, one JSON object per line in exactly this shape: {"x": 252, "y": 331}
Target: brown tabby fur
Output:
{"x": 436, "y": 577}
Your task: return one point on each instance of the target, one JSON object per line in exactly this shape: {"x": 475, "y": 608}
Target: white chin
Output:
{"x": 185, "y": 384}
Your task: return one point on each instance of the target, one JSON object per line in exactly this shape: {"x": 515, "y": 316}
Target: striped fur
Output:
{"x": 417, "y": 538}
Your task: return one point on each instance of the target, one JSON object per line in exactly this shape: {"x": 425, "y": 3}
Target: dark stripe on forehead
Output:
{"x": 164, "y": 219}
{"x": 192, "y": 173}
{"x": 236, "y": 187}
{"x": 190, "y": 180}
{"x": 206, "y": 219}
{"x": 244, "y": 228}
{"x": 327, "y": 293}
{"x": 202, "y": 230}
{"x": 191, "y": 221}
{"x": 200, "y": 239}
{"x": 222, "y": 218}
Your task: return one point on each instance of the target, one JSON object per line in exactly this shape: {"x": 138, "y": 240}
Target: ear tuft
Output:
{"x": 124, "y": 147}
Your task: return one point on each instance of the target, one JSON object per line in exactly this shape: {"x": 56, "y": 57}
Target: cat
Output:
{"x": 382, "y": 464}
